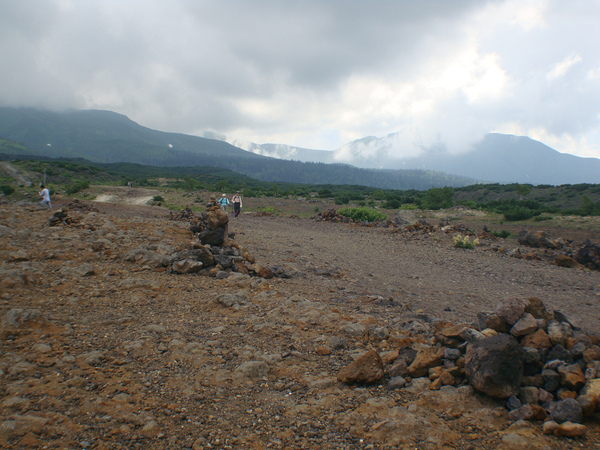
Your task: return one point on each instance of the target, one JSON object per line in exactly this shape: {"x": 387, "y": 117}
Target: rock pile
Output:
{"x": 76, "y": 205}
{"x": 215, "y": 253}
{"x": 332, "y": 216}
{"x": 61, "y": 217}
{"x": 185, "y": 215}
{"x": 588, "y": 255}
{"x": 541, "y": 363}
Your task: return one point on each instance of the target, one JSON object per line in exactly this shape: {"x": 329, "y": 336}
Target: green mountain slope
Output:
{"x": 107, "y": 137}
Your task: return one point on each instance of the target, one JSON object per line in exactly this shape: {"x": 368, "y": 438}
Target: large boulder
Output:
{"x": 537, "y": 239}
{"x": 495, "y": 365}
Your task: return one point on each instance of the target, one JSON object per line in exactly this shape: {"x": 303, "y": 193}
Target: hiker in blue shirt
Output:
{"x": 224, "y": 201}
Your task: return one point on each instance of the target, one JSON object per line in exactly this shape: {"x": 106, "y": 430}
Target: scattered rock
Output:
{"x": 367, "y": 369}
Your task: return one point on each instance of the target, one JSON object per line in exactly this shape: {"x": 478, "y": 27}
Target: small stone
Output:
{"x": 399, "y": 368}
{"x": 426, "y": 359}
{"x": 559, "y": 332}
{"x": 538, "y": 340}
{"x": 524, "y": 326}
{"x": 567, "y": 410}
{"x": 529, "y": 395}
{"x": 513, "y": 402}
{"x": 570, "y": 429}
{"x": 549, "y": 427}
{"x": 497, "y": 324}
{"x": 366, "y": 369}
{"x": 571, "y": 377}
{"x": 525, "y": 412}
{"x": 452, "y": 354}
{"x": 592, "y": 388}
{"x": 545, "y": 396}
{"x": 511, "y": 310}
{"x": 588, "y": 404}
{"x": 558, "y": 352}
{"x": 591, "y": 354}
{"x": 396, "y": 383}
{"x": 323, "y": 350}
{"x": 514, "y": 440}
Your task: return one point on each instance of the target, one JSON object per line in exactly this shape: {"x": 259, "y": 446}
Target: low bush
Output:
{"x": 363, "y": 214}
{"x": 342, "y": 199}
{"x": 158, "y": 198}
{"x": 77, "y": 186}
{"x": 464, "y": 242}
{"x": 7, "y": 190}
{"x": 519, "y": 213}
{"x": 501, "y": 234}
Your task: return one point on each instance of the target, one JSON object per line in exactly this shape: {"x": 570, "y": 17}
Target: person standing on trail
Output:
{"x": 237, "y": 203}
{"x": 45, "y": 194}
{"x": 224, "y": 201}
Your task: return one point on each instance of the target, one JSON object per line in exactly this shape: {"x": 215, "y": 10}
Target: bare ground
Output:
{"x": 168, "y": 373}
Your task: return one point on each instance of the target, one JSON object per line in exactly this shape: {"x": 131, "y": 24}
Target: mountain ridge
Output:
{"x": 106, "y": 136}
{"x": 497, "y": 158}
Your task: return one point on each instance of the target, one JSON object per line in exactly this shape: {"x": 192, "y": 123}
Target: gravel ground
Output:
{"x": 416, "y": 271}
{"x": 134, "y": 357}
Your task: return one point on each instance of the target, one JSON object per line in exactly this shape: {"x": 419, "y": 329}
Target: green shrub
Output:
{"x": 341, "y": 199}
{"x": 518, "y": 213}
{"x": 438, "y": 198}
{"x": 7, "y": 190}
{"x": 501, "y": 234}
{"x": 409, "y": 207}
{"x": 158, "y": 198}
{"x": 363, "y": 214}
{"x": 77, "y": 186}
{"x": 393, "y": 203}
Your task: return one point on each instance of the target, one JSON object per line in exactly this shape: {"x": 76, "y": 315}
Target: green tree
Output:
{"x": 522, "y": 190}
{"x": 438, "y": 198}
{"x": 222, "y": 185}
{"x": 379, "y": 194}
{"x": 190, "y": 183}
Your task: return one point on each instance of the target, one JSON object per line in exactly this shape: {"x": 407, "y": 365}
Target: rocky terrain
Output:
{"x": 105, "y": 345}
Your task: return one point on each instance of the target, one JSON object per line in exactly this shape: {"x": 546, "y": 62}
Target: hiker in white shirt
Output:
{"x": 45, "y": 194}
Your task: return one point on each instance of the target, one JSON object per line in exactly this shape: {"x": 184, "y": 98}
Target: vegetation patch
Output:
{"x": 464, "y": 242}
{"x": 363, "y": 214}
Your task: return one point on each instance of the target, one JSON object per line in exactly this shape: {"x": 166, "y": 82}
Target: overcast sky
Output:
{"x": 318, "y": 73}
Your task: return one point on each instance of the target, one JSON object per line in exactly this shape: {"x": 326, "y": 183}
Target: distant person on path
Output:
{"x": 237, "y": 203}
{"x": 45, "y": 194}
{"x": 224, "y": 201}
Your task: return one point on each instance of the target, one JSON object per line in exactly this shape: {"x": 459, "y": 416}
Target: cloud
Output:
{"x": 561, "y": 68}
{"x": 315, "y": 74}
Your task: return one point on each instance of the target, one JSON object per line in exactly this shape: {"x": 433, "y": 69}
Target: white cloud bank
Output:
{"x": 316, "y": 74}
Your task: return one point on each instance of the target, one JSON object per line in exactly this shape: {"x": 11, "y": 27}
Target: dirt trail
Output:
{"x": 16, "y": 173}
{"x": 125, "y": 195}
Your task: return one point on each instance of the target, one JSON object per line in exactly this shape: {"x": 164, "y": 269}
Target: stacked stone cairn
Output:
{"x": 215, "y": 253}
{"x": 540, "y": 364}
